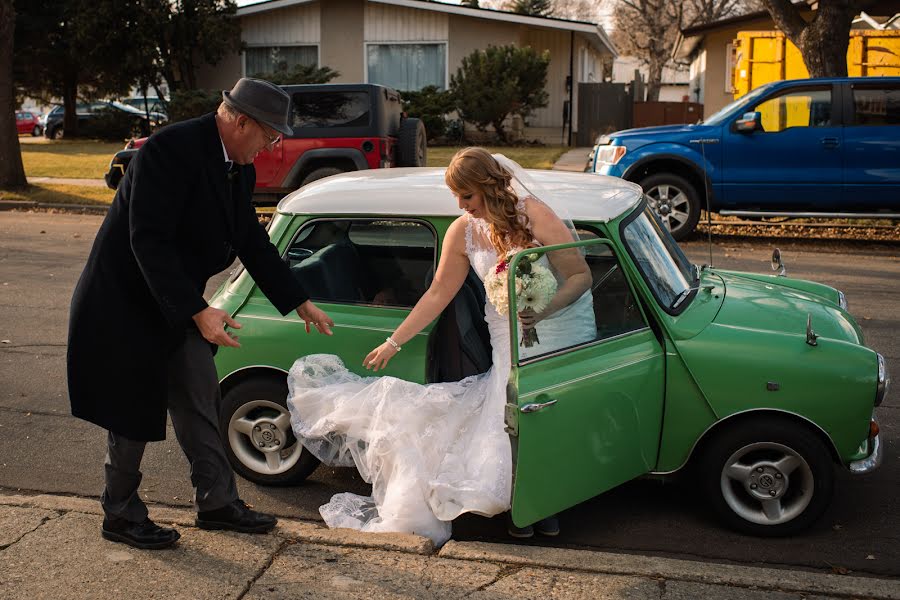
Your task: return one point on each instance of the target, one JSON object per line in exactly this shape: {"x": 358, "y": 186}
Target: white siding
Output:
{"x": 557, "y": 42}
{"x": 294, "y": 25}
{"x": 384, "y": 23}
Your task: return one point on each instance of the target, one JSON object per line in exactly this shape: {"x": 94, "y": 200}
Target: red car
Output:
{"x": 337, "y": 128}
{"x": 27, "y": 122}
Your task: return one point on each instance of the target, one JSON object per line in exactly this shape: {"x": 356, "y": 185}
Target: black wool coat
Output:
{"x": 176, "y": 220}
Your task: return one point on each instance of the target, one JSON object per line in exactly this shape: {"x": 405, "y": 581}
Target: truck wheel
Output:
{"x": 321, "y": 173}
{"x": 675, "y": 201}
{"x": 255, "y": 427}
{"x": 412, "y": 149}
{"x": 767, "y": 477}
{"x": 57, "y": 134}
{"x": 36, "y": 131}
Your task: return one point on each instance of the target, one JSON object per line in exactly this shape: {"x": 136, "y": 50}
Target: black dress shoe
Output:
{"x": 145, "y": 535}
{"x": 236, "y": 517}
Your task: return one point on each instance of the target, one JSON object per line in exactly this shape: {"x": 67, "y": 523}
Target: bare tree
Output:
{"x": 823, "y": 41}
{"x": 12, "y": 174}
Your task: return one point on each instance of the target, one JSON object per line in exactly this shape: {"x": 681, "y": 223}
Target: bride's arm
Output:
{"x": 448, "y": 279}
{"x": 548, "y": 229}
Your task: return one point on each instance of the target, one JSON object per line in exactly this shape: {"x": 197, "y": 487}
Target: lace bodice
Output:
{"x": 482, "y": 254}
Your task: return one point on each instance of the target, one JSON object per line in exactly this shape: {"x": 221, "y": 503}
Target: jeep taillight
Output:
{"x": 384, "y": 146}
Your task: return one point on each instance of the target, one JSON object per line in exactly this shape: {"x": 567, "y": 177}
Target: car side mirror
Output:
{"x": 750, "y": 122}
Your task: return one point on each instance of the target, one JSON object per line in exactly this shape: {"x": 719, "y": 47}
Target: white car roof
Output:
{"x": 421, "y": 191}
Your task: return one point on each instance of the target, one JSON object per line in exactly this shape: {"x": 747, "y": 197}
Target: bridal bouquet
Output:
{"x": 535, "y": 287}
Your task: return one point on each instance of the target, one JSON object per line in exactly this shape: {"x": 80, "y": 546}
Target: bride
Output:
{"x": 435, "y": 451}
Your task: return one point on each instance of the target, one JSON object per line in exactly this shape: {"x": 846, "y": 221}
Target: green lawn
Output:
{"x": 61, "y": 194}
{"x": 77, "y": 159}
{"x": 530, "y": 157}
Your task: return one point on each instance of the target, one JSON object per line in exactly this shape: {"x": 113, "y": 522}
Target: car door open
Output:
{"x": 585, "y": 402}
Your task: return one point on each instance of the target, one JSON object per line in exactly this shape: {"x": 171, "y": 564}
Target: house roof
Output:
{"x": 422, "y": 192}
{"x": 593, "y": 31}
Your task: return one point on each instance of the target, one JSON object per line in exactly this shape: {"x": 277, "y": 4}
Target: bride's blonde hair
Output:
{"x": 475, "y": 170}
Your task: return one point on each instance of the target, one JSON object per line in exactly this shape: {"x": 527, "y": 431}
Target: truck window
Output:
{"x": 876, "y": 105}
{"x": 796, "y": 108}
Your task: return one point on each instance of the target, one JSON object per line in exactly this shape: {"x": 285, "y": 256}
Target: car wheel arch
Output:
{"x": 233, "y": 379}
{"x": 673, "y": 164}
{"x": 722, "y": 425}
{"x": 346, "y": 159}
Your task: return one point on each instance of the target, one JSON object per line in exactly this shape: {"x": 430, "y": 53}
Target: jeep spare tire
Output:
{"x": 413, "y": 144}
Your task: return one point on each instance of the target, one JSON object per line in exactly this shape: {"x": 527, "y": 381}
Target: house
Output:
{"x": 408, "y": 44}
{"x": 708, "y": 48}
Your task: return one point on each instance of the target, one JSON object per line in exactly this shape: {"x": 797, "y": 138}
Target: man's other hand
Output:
{"x": 315, "y": 316}
{"x": 211, "y": 323}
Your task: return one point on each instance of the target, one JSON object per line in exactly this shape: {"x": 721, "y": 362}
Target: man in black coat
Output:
{"x": 141, "y": 336}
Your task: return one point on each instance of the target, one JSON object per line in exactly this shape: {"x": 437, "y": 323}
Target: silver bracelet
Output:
{"x": 391, "y": 341}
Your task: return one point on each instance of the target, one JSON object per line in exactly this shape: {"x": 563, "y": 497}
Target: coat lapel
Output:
{"x": 214, "y": 161}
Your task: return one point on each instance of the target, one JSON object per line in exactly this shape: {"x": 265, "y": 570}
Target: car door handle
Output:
{"x": 830, "y": 142}
{"x": 536, "y": 406}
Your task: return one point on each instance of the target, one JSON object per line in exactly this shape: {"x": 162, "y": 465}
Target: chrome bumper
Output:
{"x": 870, "y": 463}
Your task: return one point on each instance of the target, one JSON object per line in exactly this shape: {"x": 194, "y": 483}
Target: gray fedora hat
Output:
{"x": 262, "y": 101}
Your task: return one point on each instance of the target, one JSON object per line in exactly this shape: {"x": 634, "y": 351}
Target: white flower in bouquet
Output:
{"x": 537, "y": 291}
{"x": 535, "y": 287}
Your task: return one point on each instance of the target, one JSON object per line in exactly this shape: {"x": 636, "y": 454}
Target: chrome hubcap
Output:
{"x": 260, "y": 436}
{"x": 671, "y": 204}
{"x": 767, "y": 483}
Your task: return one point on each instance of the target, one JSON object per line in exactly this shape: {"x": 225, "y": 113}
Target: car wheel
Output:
{"x": 321, "y": 173}
{"x": 255, "y": 426}
{"x": 57, "y": 134}
{"x": 412, "y": 147}
{"x": 36, "y": 131}
{"x": 675, "y": 201}
{"x": 767, "y": 477}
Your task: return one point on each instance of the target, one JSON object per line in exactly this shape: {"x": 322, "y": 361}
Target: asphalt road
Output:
{"x": 42, "y": 448}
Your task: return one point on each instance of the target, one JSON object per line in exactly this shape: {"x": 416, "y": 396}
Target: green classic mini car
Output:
{"x": 760, "y": 384}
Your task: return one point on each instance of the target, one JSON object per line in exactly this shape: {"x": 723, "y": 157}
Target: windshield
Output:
{"x": 719, "y": 115}
{"x": 662, "y": 263}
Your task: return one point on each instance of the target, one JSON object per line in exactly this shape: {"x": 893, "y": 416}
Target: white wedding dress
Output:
{"x": 431, "y": 452}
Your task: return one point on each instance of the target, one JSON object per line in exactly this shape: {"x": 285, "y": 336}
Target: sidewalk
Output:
{"x": 50, "y": 547}
{"x": 573, "y": 160}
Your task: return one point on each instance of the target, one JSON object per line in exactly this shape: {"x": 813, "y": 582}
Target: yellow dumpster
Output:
{"x": 764, "y": 56}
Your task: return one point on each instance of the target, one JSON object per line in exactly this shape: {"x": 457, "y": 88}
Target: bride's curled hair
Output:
{"x": 475, "y": 170}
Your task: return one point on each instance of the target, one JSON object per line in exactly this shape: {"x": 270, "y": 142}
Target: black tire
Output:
{"x": 321, "y": 173}
{"x": 57, "y": 133}
{"x": 260, "y": 400}
{"x": 801, "y": 493}
{"x": 36, "y": 131}
{"x": 675, "y": 201}
{"x": 412, "y": 147}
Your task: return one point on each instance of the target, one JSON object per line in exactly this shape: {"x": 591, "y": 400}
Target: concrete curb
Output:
{"x": 26, "y": 204}
{"x": 577, "y": 561}
{"x": 675, "y": 569}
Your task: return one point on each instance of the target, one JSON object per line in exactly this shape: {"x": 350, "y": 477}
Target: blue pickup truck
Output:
{"x": 810, "y": 147}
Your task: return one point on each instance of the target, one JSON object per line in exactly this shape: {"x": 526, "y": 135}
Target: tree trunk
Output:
{"x": 654, "y": 79}
{"x": 12, "y": 173}
{"x": 824, "y": 41}
{"x": 70, "y": 102}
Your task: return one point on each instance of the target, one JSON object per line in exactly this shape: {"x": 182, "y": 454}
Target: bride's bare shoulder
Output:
{"x": 537, "y": 209}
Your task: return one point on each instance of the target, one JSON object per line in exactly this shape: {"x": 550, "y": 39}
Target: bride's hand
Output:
{"x": 379, "y": 357}
{"x": 528, "y": 318}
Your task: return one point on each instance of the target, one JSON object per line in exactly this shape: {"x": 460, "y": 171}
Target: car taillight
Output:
{"x": 386, "y": 154}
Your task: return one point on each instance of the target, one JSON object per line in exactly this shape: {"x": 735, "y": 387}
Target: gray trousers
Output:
{"x": 194, "y": 404}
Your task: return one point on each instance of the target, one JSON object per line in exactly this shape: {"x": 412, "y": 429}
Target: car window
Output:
{"x": 876, "y": 105}
{"x": 607, "y": 310}
{"x": 364, "y": 261}
{"x": 330, "y": 109}
{"x": 796, "y": 108}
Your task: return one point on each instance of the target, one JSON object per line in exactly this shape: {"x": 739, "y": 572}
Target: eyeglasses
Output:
{"x": 271, "y": 139}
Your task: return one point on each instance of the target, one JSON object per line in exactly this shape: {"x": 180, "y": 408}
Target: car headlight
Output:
{"x": 842, "y": 300}
{"x": 610, "y": 155}
{"x": 884, "y": 381}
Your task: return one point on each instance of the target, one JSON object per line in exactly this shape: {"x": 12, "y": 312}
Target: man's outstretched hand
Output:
{"x": 211, "y": 323}
{"x": 315, "y": 316}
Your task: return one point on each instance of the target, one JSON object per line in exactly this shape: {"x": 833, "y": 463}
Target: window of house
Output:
{"x": 796, "y": 108}
{"x": 363, "y": 261}
{"x": 261, "y": 60}
{"x": 407, "y": 67}
{"x": 876, "y": 105}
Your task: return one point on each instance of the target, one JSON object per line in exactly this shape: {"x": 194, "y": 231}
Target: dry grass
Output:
{"x": 45, "y": 193}
{"x": 77, "y": 159}
{"x": 530, "y": 157}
